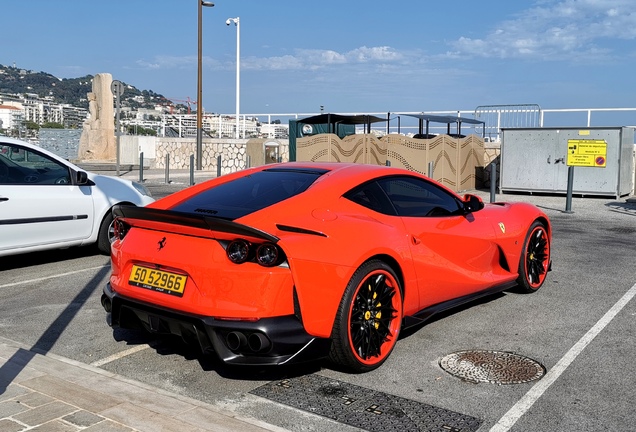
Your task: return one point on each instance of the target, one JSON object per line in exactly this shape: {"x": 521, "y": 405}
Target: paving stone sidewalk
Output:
{"x": 49, "y": 393}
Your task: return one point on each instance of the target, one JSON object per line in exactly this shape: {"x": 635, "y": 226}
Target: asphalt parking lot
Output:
{"x": 579, "y": 326}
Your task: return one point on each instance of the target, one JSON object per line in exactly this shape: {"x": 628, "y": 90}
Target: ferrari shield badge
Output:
{"x": 503, "y": 227}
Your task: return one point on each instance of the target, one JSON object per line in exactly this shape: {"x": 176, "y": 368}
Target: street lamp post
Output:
{"x": 236, "y": 22}
{"x": 201, "y": 3}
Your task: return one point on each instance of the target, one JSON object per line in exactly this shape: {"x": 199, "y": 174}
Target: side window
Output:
{"x": 371, "y": 196}
{"x": 416, "y": 197}
{"x": 20, "y": 166}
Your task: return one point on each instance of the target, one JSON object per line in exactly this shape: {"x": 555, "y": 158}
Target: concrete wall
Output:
{"x": 233, "y": 152}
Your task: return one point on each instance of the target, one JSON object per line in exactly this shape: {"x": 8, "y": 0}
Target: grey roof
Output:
{"x": 443, "y": 119}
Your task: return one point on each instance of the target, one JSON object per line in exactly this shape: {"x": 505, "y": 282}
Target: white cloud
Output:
{"x": 305, "y": 59}
{"x": 302, "y": 59}
{"x": 176, "y": 62}
{"x": 556, "y": 30}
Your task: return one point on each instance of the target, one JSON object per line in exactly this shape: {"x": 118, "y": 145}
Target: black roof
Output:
{"x": 342, "y": 119}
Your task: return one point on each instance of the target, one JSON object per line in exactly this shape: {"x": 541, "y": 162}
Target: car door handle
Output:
{"x": 415, "y": 240}
{"x": 4, "y": 199}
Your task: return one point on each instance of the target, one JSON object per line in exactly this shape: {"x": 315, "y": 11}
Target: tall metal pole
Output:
{"x": 238, "y": 75}
{"x": 199, "y": 152}
{"x": 237, "y": 23}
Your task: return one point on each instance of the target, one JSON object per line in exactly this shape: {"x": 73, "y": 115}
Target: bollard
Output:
{"x": 431, "y": 169}
{"x": 218, "y": 166}
{"x": 568, "y": 198}
{"x": 493, "y": 181}
{"x": 191, "y": 169}
{"x": 141, "y": 167}
{"x": 167, "y": 168}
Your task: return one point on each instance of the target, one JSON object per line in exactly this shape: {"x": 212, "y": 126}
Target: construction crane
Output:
{"x": 189, "y": 102}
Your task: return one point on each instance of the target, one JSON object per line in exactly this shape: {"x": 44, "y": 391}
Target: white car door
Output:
{"x": 39, "y": 205}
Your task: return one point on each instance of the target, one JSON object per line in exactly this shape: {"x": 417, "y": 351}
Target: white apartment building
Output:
{"x": 274, "y": 130}
{"x": 40, "y": 111}
{"x": 10, "y": 117}
{"x": 213, "y": 125}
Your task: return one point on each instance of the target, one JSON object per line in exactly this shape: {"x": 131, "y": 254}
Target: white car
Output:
{"x": 47, "y": 202}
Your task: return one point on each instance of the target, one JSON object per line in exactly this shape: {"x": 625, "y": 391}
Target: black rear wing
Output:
{"x": 190, "y": 220}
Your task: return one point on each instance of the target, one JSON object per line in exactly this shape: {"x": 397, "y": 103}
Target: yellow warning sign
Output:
{"x": 587, "y": 153}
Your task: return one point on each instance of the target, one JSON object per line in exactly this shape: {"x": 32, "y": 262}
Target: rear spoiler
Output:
{"x": 190, "y": 220}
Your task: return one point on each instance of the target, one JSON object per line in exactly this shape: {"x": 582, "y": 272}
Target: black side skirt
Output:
{"x": 425, "y": 314}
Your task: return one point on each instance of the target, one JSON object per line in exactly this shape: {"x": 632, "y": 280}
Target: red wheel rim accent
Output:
{"x": 537, "y": 257}
{"x": 375, "y": 316}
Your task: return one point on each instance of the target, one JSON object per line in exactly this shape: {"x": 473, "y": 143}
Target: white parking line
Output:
{"x": 52, "y": 277}
{"x": 119, "y": 355}
{"x": 526, "y": 402}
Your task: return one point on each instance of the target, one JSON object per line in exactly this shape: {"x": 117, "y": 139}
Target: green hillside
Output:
{"x": 67, "y": 90}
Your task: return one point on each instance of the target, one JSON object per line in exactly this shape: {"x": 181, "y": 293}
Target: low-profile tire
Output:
{"x": 105, "y": 234}
{"x": 369, "y": 318}
{"x": 535, "y": 258}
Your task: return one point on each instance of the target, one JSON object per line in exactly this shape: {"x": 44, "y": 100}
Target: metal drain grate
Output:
{"x": 494, "y": 367}
{"x": 363, "y": 408}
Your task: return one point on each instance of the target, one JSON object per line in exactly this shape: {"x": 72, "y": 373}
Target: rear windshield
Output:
{"x": 251, "y": 193}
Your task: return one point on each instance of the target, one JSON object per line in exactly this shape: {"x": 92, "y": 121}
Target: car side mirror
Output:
{"x": 472, "y": 203}
{"x": 81, "y": 178}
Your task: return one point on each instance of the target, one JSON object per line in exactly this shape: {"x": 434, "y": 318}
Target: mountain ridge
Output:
{"x": 72, "y": 91}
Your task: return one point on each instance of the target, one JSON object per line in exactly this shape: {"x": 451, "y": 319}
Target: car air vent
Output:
{"x": 206, "y": 211}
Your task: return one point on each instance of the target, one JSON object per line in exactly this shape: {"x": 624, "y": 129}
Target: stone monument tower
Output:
{"x": 97, "y": 142}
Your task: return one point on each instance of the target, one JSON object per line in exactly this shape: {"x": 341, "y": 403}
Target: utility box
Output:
{"x": 535, "y": 160}
{"x": 262, "y": 152}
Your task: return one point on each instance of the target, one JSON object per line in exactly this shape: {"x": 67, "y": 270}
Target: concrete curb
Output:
{"x": 46, "y": 389}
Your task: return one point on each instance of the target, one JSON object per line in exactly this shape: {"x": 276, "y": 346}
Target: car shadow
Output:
{"x": 46, "y": 257}
{"x": 167, "y": 345}
{"x": 9, "y": 371}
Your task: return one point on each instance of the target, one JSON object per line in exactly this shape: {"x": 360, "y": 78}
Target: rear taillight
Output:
{"x": 265, "y": 254}
{"x": 121, "y": 229}
{"x": 238, "y": 251}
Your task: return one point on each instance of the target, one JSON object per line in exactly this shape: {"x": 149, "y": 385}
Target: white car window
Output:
{"x": 19, "y": 166}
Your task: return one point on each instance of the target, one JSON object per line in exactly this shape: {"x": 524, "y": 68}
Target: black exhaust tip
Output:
{"x": 106, "y": 303}
{"x": 258, "y": 342}
{"x": 235, "y": 340}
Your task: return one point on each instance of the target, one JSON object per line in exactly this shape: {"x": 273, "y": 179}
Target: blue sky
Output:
{"x": 348, "y": 56}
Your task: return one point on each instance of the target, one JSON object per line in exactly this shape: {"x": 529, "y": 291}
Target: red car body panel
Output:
{"x": 325, "y": 238}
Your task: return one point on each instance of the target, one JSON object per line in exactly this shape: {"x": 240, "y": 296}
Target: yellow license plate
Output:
{"x": 158, "y": 280}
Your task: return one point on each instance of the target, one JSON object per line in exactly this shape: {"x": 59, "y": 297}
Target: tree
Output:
{"x": 30, "y": 125}
{"x": 53, "y": 125}
{"x": 139, "y": 130}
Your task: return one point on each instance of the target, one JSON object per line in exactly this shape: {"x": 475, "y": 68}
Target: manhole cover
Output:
{"x": 494, "y": 367}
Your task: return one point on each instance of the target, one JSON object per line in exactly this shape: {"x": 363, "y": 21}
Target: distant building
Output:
{"x": 73, "y": 117}
{"x": 30, "y": 107}
{"x": 213, "y": 125}
{"x": 10, "y": 117}
{"x": 274, "y": 130}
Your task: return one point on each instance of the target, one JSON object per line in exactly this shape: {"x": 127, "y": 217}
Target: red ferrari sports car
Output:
{"x": 296, "y": 261}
